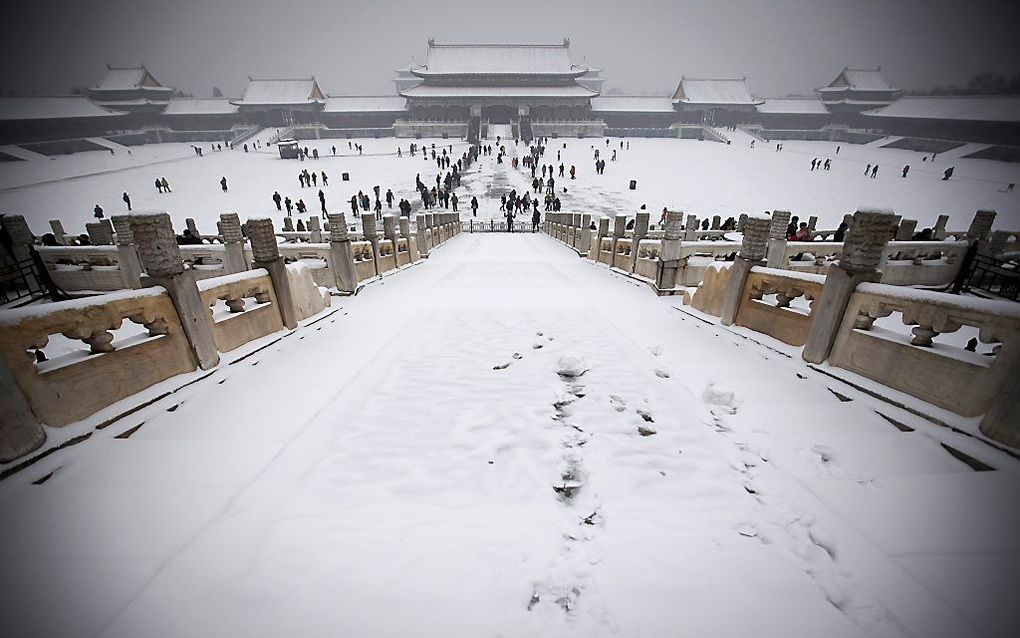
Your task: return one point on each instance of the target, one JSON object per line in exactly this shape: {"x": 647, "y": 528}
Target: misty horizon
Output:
{"x": 783, "y": 48}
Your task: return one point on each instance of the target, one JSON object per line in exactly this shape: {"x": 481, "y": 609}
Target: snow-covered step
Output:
{"x": 105, "y": 143}
{"x": 888, "y": 139}
{"x": 21, "y": 153}
{"x": 965, "y": 150}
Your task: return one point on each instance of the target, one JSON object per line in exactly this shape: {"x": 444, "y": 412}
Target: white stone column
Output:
{"x": 368, "y": 230}
{"x": 314, "y": 230}
{"x": 266, "y": 254}
{"x": 584, "y": 235}
{"x": 862, "y": 254}
{"x": 640, "y": 231}
{"x": 127, "y": 255}
{"x": 421, "y": 234}
{"x": 20, "y": 431}
{"x": 161, "y": 257}
{"x": 752, "y": 251}
{"x": 669, "y": 251}
{"x": 233, "y": 243}
{"x": 691, "y": 229}
{"x": 57, "y": 228}
{"x": 341, "y": 255}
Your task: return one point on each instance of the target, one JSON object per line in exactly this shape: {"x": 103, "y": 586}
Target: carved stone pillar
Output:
{"x": 389, "y": 223}
{"x": 20, "y": 431}
{"x": 603, "y": 232}
{"x": 752, "y": 251}
{"x": 368, "y": 230}
{"x": 691, "y": 228}
{"x": 57, "y": 228}
{"x": 99, "y": 234}
{"x": 421, "y": 235}
{"x": 127, "y": 255}
{"x": 314, "y": 230}
{"x": 341, "y": 255}
{"x": 233, "y": 243}
{"x": 404, "y": 225}
{"x": 266, "y": 254}
{"x": 584, "y": 234}
{"x": 905, "y": 231}
{"x": 640, "y": 231}
{"x": 939, "y": 231}
{"x": 161, "y": 258}
{"x": 863, "y": 249}
{"x": 669, "y": 251}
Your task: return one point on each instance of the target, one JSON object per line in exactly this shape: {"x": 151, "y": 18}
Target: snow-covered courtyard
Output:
{"x": 506, "y": 440}
{"x": 701, "y": 178}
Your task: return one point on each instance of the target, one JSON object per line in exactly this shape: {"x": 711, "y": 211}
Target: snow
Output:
{"x": 797, "y": 106}
{"x": 787, "y": 274}
{"x": 714, "y": 91}
{"x": 701, "y": 178}
{"x": 57, "y": 107}
{"x": 426, "y": 90}
{"x": 15, "y": 316}
{"x": 1000, "y": 308}
{"x": 364, "y": 104}
{"x": 213, "y": 282}
{"x": 498, "y": 59}
{"x": 200, "y": 106}
{"x": 989, "y": 108}
{"x": 632, "y": 104}
{"x": 297, "y": 91}
{"x": 373, "y": 473}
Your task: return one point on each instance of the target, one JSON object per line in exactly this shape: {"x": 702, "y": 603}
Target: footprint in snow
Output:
{"x": 501, "y": 366}
{"x": 662, "y": 374}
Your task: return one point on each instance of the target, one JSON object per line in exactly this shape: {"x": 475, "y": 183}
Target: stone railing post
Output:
{"x": 57, "y": 228}
{"x": 404, "y": 224}
{"x": 288, "y": 224}
{"x": 190, "y": 223}
{"x": 430, "y": 234}
{"x": 127, "y": 255}
{"x": 389, "y": 226}
{"x": 862, "y": 254}
{"x": 421, "y": 234}
{"x": 21, "y": 236}
{"x": 691, "y": 228}
{"x": 1002, "y": 421}
{"x": 752, "y": 252}
{"x": 266, "y": 254}
{"x": 619, "y": 230}
{"x": 314, "y": 230}
{"x": 233, "y": 243}
{"x": 372, "y": 237}
{"x": 341, "y": 255}
{"x": 584, "y": 234}
{"x": 669, "y": 251}
{"x": 99, "y": 234}
{"x": 905, "y": 231}
{"x": 640, "y": 231}
{"x": 20, "y": 431}
{"x": 161, "y": 257}
{"x": 981, "y": 229}
{"x": 716, "y": 222}
{"x": 777, "y": 238}
{"x": 741, "y": 221}
{"x": 939, "y": 231}
{"x": 603, "y": 232}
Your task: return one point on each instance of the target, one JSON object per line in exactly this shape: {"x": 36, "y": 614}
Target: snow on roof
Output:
{"x": 793, "y": 105}
{"x": 128, "y": 79}
{"x": 200, "y": 106}
{"x": 424, "y": 90}
{"x": 51, "y": 108}
{"x": 499, "y": 59}
{"x": 713, "y": 91}
{"x": 978, "y": 108}
{"x": 859, "y": 80}
{"x": 364, "y": 103}
{"x": 287, "y": 91}
{"x": 632, "y": 103}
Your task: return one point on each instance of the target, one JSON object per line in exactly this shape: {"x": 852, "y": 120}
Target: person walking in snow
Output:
{"x": 453, "y": 201}
{"x": 325, "y": 180}
{"x": 290, "y": 206}
{"x": 474, "y": 206}
{"x": 159, "y": 186}
{"x": 867, "y": 169}
{"x": 828, "y": 163}
{"x": 389, "y": 198}
{"x": 276, "y": 199}
{"x": 874, "y": 171}
{"x": 814, "y": 162}
{"x": 223, "y": 183}
{"x": 166, "y": 185}
{"x": 322, "y": 201}
{"x": 948, "y": 173}
{"x": 127, "y": 199}
{"x": 98, "y": 211}
{"x": 906, "y": 169}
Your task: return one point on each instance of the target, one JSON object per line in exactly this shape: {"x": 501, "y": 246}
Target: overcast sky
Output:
{"x": 352, "y": 47}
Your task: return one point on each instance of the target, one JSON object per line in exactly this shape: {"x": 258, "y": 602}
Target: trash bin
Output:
{"x": 633, "y": 184}
{"x": 345, "y": 177}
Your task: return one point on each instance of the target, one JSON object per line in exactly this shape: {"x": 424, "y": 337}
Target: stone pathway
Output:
{"x": 509, "y": 440}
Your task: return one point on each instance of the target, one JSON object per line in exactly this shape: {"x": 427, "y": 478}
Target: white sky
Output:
{"x": 782, "y": 46}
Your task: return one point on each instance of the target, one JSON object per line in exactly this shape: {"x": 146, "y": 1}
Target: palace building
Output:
{"x": 856, "y": 90}
{"x": 130, "y": 90}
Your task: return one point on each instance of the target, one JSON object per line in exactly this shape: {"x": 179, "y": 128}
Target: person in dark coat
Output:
{"x": 223, "y": 183}
{"x": 536, "y": 219}
{"x": 277, "y": 199}
{"x": 474, "y": 206}
{"x": 127, "y": 200}
{"x": 98, "y": 210}
{"x": 840, "y": 233}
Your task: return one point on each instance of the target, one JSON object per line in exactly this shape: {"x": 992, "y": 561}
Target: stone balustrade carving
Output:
{"x": 237, "y": 326}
